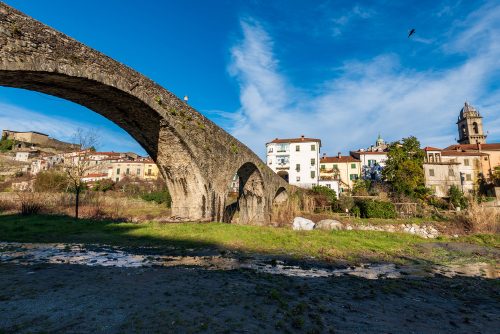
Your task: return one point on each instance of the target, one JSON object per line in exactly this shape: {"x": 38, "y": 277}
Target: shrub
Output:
{"x": 344, "y": 203}
{"x": 438, "y": 202}
{"x": 457, "y": 198}
{"x": 159, "y": 197}
{"x": 324, "y": 196}
{"x": 31, "y": 203}
{"x": 103, "y": 185}
{"x": 51, "y": 181}
{"x": 6, "y": 145}
{"x": 376, "y": 209}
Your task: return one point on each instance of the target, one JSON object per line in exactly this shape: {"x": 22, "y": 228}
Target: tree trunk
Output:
{"x": 77, "y": 201}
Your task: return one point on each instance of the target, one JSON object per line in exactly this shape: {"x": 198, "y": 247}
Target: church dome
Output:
{"x": 468, "y": 111}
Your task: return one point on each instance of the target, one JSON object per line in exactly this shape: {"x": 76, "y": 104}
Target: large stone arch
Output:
{"x": 193, "y": 154}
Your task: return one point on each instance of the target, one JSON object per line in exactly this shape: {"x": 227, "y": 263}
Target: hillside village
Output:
{"x": 465, "y": 165}
{"x": 30, "y": 153}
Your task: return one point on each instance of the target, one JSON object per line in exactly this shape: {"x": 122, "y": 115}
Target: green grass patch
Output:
{"x": 322, "y": 245}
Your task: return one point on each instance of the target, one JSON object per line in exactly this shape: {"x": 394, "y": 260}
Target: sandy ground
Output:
{"x": 71, "y": 298}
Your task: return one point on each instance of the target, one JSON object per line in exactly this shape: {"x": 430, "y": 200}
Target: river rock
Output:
{"x": 329, "y": 224}
{"x": 302, "y": 224}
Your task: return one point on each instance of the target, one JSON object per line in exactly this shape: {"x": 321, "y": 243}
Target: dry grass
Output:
{"x": 481, "y": 219}
{"x": 297, "y": 204}
{"x": 93, "y": 205}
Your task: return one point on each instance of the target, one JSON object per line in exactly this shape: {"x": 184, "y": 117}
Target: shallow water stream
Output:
{"x": 92, "y": 255}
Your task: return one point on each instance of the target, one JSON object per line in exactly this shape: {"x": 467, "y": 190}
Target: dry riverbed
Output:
{"x": 77, "y": 288}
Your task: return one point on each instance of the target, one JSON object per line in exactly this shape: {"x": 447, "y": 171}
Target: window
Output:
{"x": 451, "y": 172}
{"x": 298, "y": 178}
{"x": 431, "y": 172}
{"x": 322, "y": 167}
{"x": 283, "y": 160}
{"x": 335, "y": 166}
{"x": 313, "y": 174}
{"x": 468, "y": 177}
{"x": 328, "y": 185}
{"x": 313, "y": 147}
{"x": 117, "y": 179}
{"x": 353, "y": 166}
{"x": 313, "y": 162}
{"x": 466, "y": 162}
{"x": 353, "y": 176}
{"x": 282, "y": 147}
{"x": 270, "y": 150}
{"x": 297, "y": 167}
{"x": 297, "y": 148}
{"x": 371, "y": 162}
{"x": 475, "y": 127}
{"x": 118, "y": 171}
{"x": 138, "y": 171}
{"x": 128, "y": 171}
{"x": 149, "y": 171}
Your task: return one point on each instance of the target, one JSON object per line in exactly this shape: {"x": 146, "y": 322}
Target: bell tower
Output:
{"x": 470, "y": 126}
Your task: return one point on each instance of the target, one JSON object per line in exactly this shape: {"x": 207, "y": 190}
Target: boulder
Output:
{"x": 329, "y": 224}
{"x": 302, "y": 224}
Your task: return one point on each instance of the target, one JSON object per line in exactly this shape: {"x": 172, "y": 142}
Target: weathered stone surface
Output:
{"x": 197, "y": 158}
{"x": 302, "y": 224}
{"x": 329, "y": 224}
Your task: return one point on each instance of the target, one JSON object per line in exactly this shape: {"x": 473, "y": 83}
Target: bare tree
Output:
{"x": 77, "y": 164}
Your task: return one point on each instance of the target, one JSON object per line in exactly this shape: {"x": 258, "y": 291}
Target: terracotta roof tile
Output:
{"x": 294, "y": 140}
{"x": 474, "y": 147}
{"x": 341, "y": 159}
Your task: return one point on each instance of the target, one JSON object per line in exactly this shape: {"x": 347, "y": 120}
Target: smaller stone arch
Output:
{"x": 280, "y": 197}
{"x": 251, "y": 203}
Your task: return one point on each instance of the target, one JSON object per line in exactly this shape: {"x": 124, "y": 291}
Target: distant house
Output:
{"x": 345, "y": 169}
{"x": 295, "y": 160}
{"x": 143, "y": 169}
{"x": 444, "y": 168}
{"x": 26, "y": 155}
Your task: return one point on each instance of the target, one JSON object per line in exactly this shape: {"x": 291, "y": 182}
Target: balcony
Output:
{"x": 283, "y": 166}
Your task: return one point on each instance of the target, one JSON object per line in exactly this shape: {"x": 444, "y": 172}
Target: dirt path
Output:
{"x": 77, "y": 299}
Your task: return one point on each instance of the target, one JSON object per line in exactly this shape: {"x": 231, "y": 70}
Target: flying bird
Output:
{"x": 412, "y": 31}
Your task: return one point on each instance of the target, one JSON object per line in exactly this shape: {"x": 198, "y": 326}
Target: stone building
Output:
{"x": 470, "y": 126}
{"x": 31, "y": 137}
{"x": 444, "y": 168}
{"x": 295, "y": 160}
{"x": 489, "y": 156}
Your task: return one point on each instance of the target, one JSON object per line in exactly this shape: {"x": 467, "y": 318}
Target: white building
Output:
{"x": 296, "y": 160}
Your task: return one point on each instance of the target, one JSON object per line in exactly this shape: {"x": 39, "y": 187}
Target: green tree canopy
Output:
{"x": 404, "y": 167}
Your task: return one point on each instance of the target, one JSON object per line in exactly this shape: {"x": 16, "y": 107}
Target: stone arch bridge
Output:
{"x": 197, "y": 158}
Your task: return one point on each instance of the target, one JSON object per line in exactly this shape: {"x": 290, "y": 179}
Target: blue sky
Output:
{"x": 339, "y": 71}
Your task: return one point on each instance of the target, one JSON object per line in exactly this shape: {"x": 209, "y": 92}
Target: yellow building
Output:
{"x": 345, "y": 169}
{"x": 490, "y": 156}
{"x": 144, "y": 169}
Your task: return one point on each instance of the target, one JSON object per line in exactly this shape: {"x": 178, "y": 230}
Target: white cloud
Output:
{"x": 357, "y": 12}
{"x": 367, "y": 97}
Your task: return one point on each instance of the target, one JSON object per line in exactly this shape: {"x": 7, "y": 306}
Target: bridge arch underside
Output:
{"x": 192, "y": 196}
{"x": 252, "y": 204}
